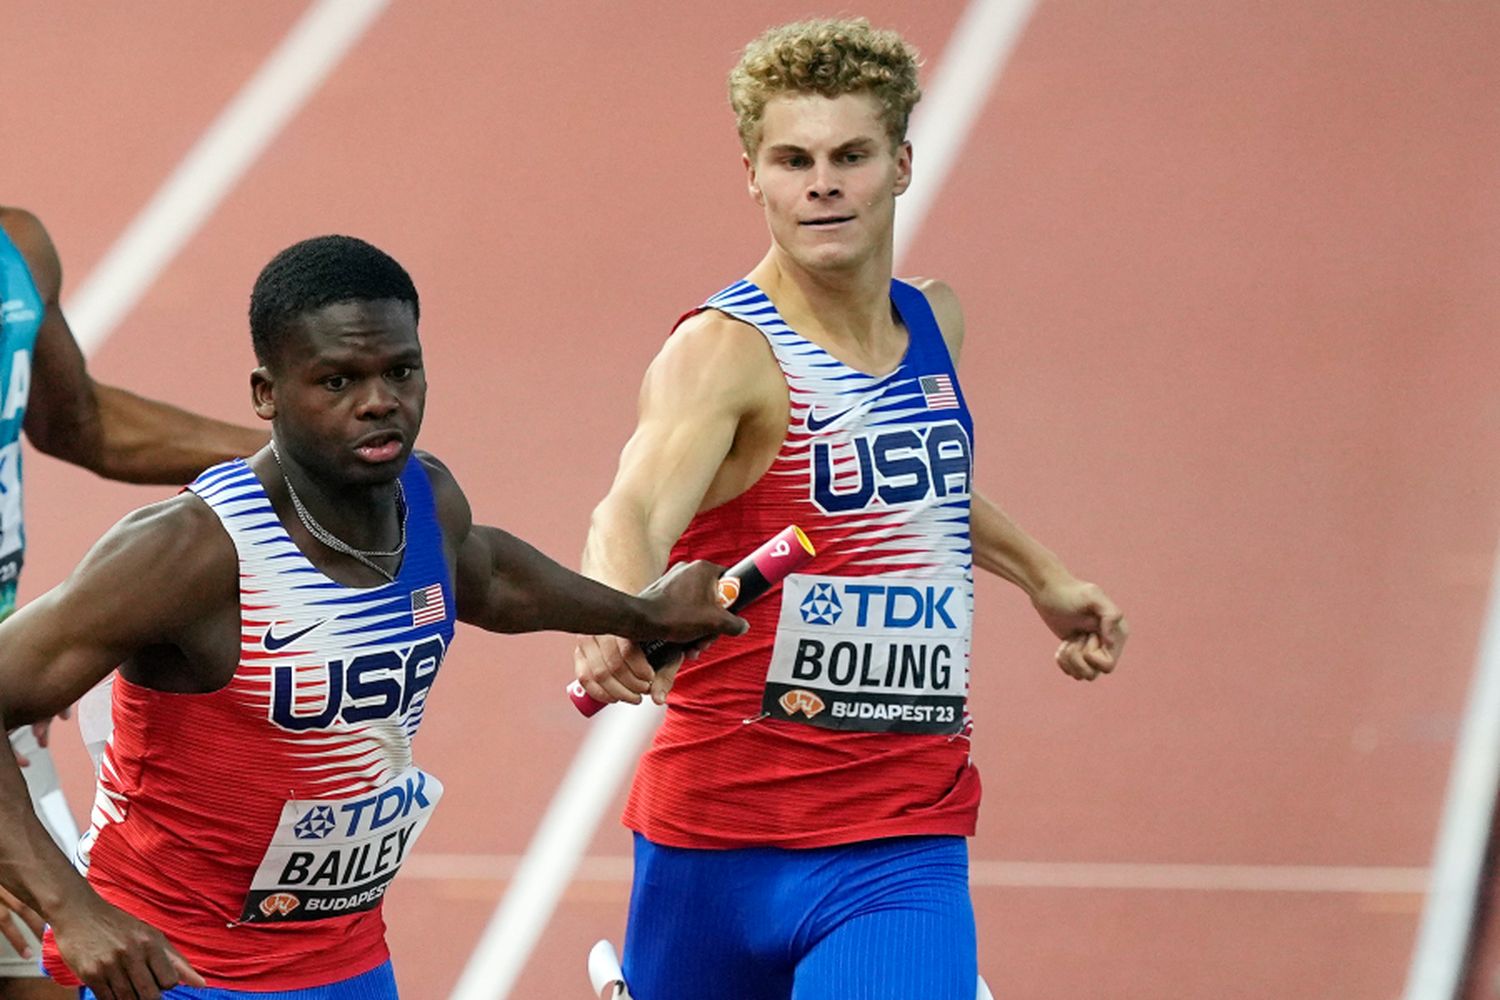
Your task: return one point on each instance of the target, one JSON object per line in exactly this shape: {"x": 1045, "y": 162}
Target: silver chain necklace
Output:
{"x": 328, "y": 538}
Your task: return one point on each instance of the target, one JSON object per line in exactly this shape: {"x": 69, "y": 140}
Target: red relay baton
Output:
{"x": 746, "y": 581}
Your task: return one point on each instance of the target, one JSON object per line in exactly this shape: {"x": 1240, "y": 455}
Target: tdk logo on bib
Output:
{"x": 392, "y": 803}
{"x": 316, "y": 825}
{"x": 821, "y": 606}
{"x": 898, "y": 466}
{"x": 891, "y": 606}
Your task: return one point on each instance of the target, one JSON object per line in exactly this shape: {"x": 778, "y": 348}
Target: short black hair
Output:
{"x": 318, "y": 272}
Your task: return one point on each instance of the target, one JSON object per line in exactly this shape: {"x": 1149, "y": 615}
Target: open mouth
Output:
{"x": 379, "y": 447}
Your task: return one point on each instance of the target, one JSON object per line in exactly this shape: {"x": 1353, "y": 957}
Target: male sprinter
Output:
{"x": 800, "y": 816}
{"x": 279, "y": 625}
{"x": 46, "y": 391}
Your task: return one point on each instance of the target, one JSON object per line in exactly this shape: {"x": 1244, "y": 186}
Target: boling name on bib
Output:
{"x": 881, "y": 654}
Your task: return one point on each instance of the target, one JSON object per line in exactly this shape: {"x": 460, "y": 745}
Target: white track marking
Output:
{"x": 1437, "y": 964}
{"x": 291, "y": 74}
{"x": 599, "y": 768}
{"x": 982, "y": 41}
{"x": 1123, "y": 876}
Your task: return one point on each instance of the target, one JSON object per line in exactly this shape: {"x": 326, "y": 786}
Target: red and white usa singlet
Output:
{"x": 258, "y": 826}
{"x": 841, "y": 716}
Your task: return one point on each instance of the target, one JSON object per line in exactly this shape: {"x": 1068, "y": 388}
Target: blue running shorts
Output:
{"x": 877, "y": 920}
{"x": 377, "y": 984}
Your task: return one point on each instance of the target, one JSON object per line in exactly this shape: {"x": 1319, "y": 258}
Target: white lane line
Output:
{"x": 542, "y": 874}
{"x": 1128, "y": 876}
{"x": 291, "y": 74}
{"x": 1199, "y": 878}
{"x": 980, "y": 42}
{"x": 1437, "y": 965}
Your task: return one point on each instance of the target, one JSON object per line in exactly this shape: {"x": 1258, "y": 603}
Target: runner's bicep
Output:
{"x": 51, "y": 658}
{"x": 473, "y": 574}
{"x": 693, "y": 399}
{"x": 667, "y": 467}
{"x": 62, "y": 413}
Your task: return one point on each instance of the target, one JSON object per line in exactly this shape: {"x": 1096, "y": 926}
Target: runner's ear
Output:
{"x": 262, "y": 393}
{"x": 751, "y": 182}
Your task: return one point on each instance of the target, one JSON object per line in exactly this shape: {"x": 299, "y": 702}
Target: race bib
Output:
{"x": 336, "y": 857}
{"x": 874, "y": 654}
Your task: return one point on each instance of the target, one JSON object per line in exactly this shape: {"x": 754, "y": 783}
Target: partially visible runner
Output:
{"x": 46, "y": 391}
{"x": 285, "y": 620}
{"x": 800, "y": 817}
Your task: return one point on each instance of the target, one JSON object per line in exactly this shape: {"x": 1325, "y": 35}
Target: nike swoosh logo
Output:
{"x": 274, "y": 642}
{"x": 814, "y": 424}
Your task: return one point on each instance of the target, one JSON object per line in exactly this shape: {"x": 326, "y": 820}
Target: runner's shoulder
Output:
{"x": 175, "y": 549}
{"x": 714, "y": 354}
{"x": 453, "y": 510}
{"x": 945, "y": 309}
{"x": 31, "y": 238}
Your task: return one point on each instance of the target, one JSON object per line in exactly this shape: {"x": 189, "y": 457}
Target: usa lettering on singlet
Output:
{"x": 21, "y": 310}
{"x": 288, "y": 799}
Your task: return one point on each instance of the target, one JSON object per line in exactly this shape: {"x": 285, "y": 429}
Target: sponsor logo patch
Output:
{"x": 273, "y": 642}
{"x": 798, "y": 700}
{"x": 822, "y": 606}
{"x": 279, "y": 904}
{"x": 816, "y": 423}
{"x": 337, "y": 856}
{"x": 317, "y": 824}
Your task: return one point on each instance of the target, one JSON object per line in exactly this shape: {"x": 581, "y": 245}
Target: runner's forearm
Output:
{"x": 31, "y": 866}
{"x": 620, "y": 551}
{"x": 1003, "y": 548}
{"x": 146, "y": 441}
{"x": 528, "y": 592}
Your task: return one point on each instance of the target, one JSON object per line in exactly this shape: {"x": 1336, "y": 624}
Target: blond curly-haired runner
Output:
{"x": 801, "y": 815}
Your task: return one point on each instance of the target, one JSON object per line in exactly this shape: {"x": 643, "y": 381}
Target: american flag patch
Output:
{"x": 427, "y": 605}
{"x": 938, "y": 391}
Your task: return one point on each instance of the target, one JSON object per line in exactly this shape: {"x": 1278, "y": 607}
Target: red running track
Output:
{"x": 1229, "y": 274}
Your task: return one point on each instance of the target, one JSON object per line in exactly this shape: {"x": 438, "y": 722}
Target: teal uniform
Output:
{"x": 21, "y": 311}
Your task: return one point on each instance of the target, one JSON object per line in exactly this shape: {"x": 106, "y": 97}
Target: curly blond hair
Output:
{"x": 828, "y": 57}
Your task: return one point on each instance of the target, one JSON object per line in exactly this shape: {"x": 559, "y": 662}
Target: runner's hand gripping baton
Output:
{"x": 746, "y": 581}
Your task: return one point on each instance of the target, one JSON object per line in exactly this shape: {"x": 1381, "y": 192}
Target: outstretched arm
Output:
{"x": 505, "y": 585}
{"x": 107, "y": 430}
{"x": 710, "y": 381}
{"x": 707, "y": 400}
{"x": 56, "y": 648}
